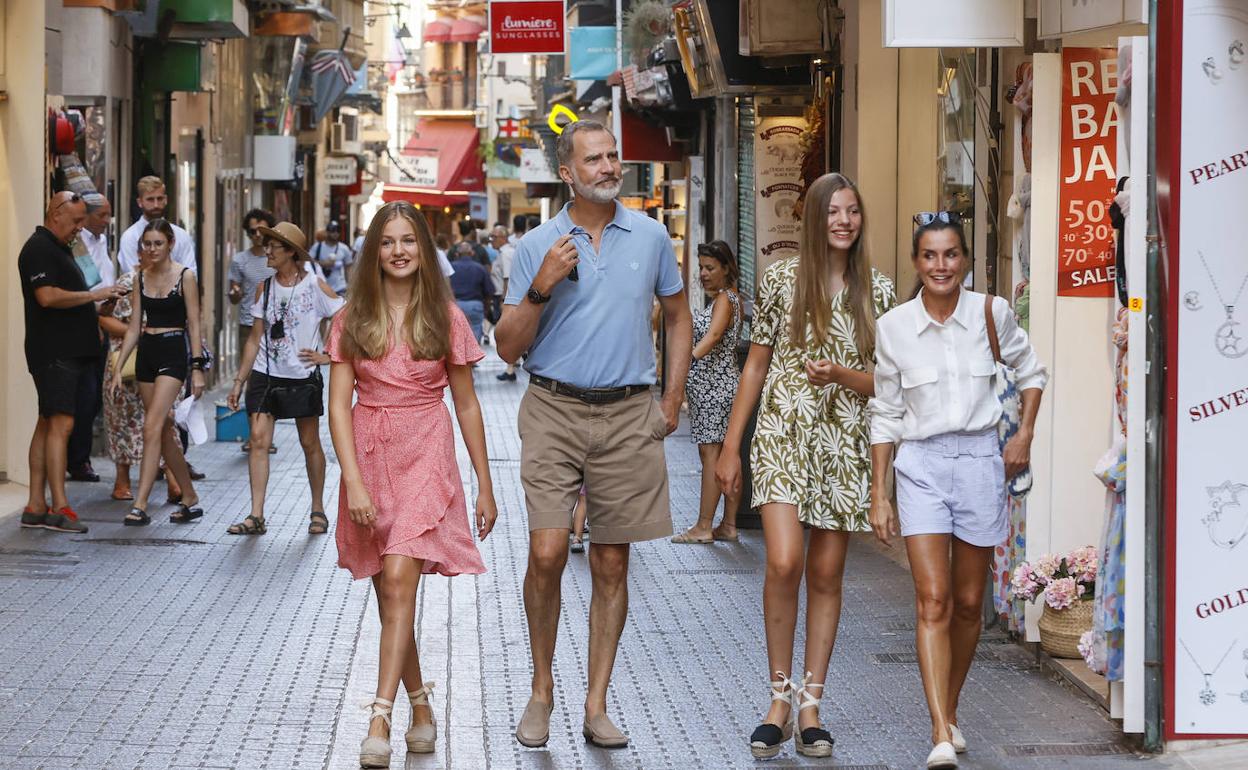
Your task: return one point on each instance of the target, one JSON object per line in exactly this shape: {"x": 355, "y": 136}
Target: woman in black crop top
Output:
{"x": 165, "y": 300}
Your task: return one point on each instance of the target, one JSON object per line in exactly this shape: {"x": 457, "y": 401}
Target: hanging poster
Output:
{"x": 592, "y": 54}
{"x": 1090, "y": 120}
{"x": 777, "y": 185}
{"x": 1207, "y": 505}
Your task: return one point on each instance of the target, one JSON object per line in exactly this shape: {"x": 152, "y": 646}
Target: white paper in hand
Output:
{"x": 189, "y": 415}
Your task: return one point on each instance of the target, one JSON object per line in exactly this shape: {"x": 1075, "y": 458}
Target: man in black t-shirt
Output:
{"x": 62, "y": 336}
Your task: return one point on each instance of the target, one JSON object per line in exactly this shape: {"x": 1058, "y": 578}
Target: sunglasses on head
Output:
{"x": 73, "y": 198}
{"x": 925, "y": 218}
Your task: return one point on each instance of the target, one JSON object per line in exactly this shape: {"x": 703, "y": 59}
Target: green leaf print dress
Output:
{"x": 811, "y": 446}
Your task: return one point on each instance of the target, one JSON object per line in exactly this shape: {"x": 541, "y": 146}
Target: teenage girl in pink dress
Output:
{"x": 396, "y": 345}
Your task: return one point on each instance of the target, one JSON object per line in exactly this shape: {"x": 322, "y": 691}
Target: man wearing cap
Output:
{"x": 152, "y": 199}
{"x": 62, "y": 335}
{"x": 334, "y": 257}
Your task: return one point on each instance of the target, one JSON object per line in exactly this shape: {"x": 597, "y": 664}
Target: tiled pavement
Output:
{"x": 184, "y": 647}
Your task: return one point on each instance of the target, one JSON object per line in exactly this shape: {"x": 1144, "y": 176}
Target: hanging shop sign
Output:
{"x": 419, "y": 167}
{"x": 953, "y": 23}
{"x": 340, "y": 170}
{"x": 1207, "y": 505}
{"x": 1089, "y": 147}
{"x": 527, "y": 26}
{"x": 593, "y": 53}
{"x": 778, "y": 186}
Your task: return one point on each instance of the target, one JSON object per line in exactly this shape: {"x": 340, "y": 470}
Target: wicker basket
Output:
{"x": 1060, "y": 629}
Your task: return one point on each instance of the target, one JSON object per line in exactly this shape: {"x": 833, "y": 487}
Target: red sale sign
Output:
{"x": 1090, "y": 120}
{"x": 527, "y": 26}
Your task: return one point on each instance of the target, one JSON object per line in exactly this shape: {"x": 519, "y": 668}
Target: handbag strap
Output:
{"x": 991, "y": 324}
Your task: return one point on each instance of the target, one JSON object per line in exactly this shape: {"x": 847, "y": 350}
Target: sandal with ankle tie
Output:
{"x": 811, "y": 741}
{"x": 767, "y": 739}
{"x": 374, "y": 751}
{"x": 421, "y": 739}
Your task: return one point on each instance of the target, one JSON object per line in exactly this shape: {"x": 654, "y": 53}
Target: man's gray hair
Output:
{"x": 94, "y": 201}
{"x": 564, "y": 145}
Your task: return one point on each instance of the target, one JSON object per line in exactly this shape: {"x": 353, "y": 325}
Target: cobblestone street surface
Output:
{"x": 185, "y": 647}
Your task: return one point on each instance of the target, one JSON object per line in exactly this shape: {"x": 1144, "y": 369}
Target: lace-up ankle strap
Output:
{"x": 782, "y": 687}
{"x": 421, "y": 697}
{"x": 807, "y": 699}
{"x": 379, "y": 707}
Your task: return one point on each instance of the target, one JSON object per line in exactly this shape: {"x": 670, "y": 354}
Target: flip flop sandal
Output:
{"x": 684, "y": 538}
{"x": 319, "y": 524}
{"x": 248, "y": 526}
{"x": 185, "y": 515}
{"x": 736, "y": 538}
{"x": 127, "y": 496}
{"x": 137, "y": 517}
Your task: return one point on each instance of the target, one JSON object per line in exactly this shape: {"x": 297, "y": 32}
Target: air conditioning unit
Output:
{"x": 344, "y": 138}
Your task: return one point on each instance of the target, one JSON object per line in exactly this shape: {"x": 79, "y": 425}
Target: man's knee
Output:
{"x": 547, "y": 554}
{"x": 609, "y": 561}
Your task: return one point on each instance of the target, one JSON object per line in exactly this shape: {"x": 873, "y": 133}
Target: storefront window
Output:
{"x": 955, "y": 144}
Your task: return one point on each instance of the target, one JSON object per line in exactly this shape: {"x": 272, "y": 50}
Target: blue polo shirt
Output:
{"x": 595, "y": 332}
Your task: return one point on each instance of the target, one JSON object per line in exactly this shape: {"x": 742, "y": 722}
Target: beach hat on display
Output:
{"x": 289, "y": 234}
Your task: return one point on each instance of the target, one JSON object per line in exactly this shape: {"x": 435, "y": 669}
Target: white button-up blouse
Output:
{"x": 933, "y": 378}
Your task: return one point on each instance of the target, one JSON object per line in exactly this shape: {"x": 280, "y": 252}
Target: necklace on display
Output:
{"x": 1207, "y": 696}
{"x": 1221, "y": 498}
{"x": 1242, "y": 694}
{"x": 1226, "y": 339}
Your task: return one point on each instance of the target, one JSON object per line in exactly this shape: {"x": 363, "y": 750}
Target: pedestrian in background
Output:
{"x": 713, "y": 381}
{"x": 812, "y": 343}
{"x": 334, "y": 257}
{"x": 401, "y": 509}
{"x": 472, "y": 287}
{"x": 280, "y": 368}
{"x": 62, "y": 335}
{"x": 164, "y": 318}
{"x": 152, "y": 200}
{"x": 247, "y": 269}
{"x": 588, "y": 418}
{"x": 935, "y": 361}
{"x": 519, "y": 223}
{"x": 97, "y": 268}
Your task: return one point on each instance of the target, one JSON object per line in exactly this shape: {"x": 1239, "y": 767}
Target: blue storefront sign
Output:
{"x": 592, "y": 52}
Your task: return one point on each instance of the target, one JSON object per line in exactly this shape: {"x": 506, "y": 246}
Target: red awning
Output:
{"x": 454, "y": 143}
{"x": 467, "y": 30}
{"x": 438, "y": 31}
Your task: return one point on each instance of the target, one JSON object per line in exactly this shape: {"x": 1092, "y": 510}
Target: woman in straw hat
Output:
{"x": 280, "y": 366}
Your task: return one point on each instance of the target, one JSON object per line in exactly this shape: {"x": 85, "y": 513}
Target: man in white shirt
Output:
{"x": 94, "y": 237}
{"x": 500, "y": 271}
{"x": 153, "y": 200}
{"x": 334, "y": 257}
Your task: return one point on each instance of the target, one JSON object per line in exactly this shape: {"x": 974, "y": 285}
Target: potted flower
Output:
{"x": 1067, "y": 584}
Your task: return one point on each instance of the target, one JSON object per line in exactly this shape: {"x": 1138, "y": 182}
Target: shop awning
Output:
{"x": 467, "y": 29}
{"x": 442, "y": 158}
{"x": 438, "y": 31}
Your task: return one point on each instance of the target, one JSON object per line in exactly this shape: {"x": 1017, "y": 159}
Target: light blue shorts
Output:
{"x": 953, "y": 484}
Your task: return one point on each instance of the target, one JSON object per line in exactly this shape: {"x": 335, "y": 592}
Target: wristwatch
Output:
{"x": 536, "y": 297}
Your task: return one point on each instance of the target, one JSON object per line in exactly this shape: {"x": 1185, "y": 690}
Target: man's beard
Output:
{"x": 595, "y": 193}
{"x": 154, "y": 214}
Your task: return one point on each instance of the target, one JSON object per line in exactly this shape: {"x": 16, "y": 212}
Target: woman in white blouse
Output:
{"x": 934, "y": 396}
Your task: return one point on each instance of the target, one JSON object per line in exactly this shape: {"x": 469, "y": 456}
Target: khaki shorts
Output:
{"x": 615, "y": 450}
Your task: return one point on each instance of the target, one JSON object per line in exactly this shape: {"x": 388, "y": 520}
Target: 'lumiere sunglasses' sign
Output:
{"x": 527, "y": 26}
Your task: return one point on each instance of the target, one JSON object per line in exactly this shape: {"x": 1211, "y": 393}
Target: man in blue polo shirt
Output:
{"x": 579, "y": 301}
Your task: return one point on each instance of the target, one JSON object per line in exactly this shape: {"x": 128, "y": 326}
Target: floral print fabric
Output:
{"x": 713, "y": 379}
{"x": 811, "y": 447}
{"x": 123, "y": 410}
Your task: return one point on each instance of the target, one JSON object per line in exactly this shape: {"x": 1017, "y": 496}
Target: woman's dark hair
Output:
{"x": 721, "y": 252}
{"x": 263, "y": 215}
{"x": 160, "y": 225}
{"x": 935, "y": 226}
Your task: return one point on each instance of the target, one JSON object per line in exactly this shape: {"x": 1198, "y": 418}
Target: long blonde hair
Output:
{"x": 812, "y": 293}
{"x": 366, "y": 328}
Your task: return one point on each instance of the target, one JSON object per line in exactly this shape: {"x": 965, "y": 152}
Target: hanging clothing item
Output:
{"x": 1118, "y": 211}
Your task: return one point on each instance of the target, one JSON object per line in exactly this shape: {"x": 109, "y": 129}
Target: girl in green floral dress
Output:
{"x": 813, "y": 337}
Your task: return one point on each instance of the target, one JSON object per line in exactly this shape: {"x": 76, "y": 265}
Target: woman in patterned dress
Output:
{"x": 712, "y": 384}
{"x": 123, "y": 409}
{"x": 398, "y": 343}
{"x": 812, "y": 340}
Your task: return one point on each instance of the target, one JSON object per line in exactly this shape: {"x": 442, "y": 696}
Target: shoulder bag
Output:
{"x": 1005, "y": 383}
{"x": 300, "y": 399}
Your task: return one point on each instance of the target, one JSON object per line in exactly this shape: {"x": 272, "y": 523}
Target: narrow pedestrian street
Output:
{"x": 185, "y": 647}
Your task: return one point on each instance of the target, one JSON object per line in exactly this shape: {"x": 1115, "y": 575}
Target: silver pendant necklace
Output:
{"x": 1228, "y": 341}
{"x": 1222, "y": 497}
{"x": 1207, "y": 696}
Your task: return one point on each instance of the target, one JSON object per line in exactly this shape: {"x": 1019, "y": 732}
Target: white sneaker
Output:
{"x": 942, "y": 756}
{"x": 957, "y": 739}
